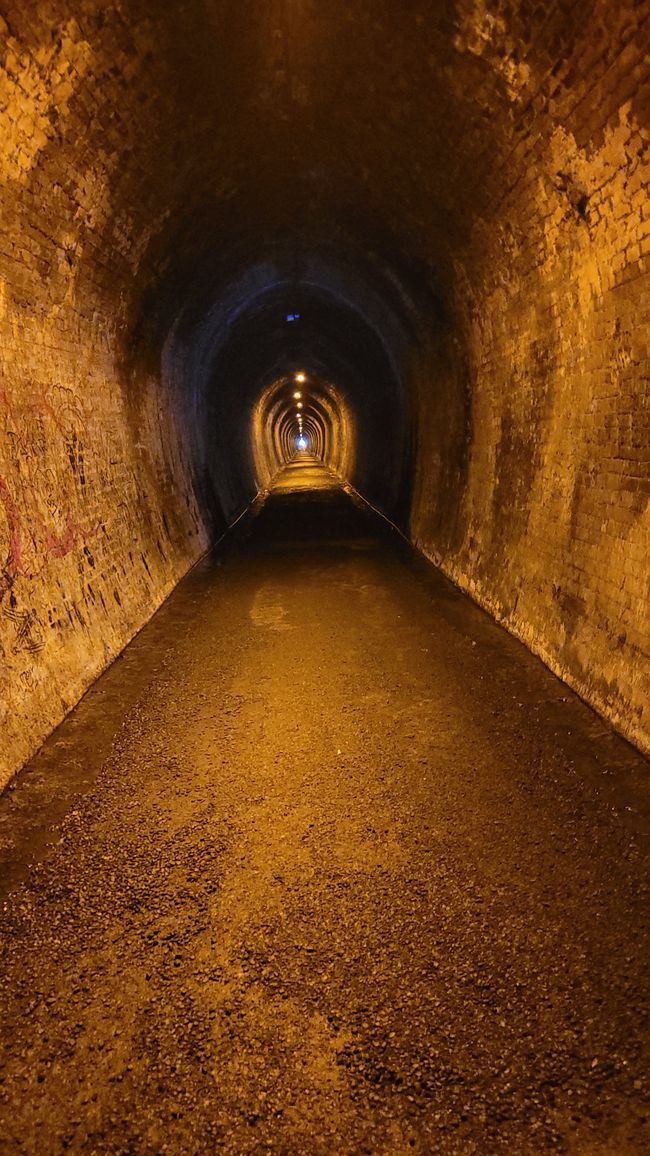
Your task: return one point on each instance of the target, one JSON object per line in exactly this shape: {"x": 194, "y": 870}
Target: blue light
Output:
{"x": 302, "y": 443}
{"x": 293, "y": 317}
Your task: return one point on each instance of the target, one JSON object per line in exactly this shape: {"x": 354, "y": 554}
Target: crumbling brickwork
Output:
{"x": 554, "y": 527}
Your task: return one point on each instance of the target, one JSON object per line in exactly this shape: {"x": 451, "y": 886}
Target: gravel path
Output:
{"x": 348, "y": 871}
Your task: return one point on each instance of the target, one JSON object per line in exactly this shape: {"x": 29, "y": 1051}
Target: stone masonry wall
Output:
{"x": 554, "y": 531}
{"x": 93, "y": 531}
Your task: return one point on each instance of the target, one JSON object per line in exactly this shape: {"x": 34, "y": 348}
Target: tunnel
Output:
{"x": 436, "y": 214}
{"x": 290, "y": 272}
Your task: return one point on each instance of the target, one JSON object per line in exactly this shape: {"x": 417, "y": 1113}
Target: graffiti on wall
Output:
{"x": 42, "y": 488}
{"x": 30, "y": 635}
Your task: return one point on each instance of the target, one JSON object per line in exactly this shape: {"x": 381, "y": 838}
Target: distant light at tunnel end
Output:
{"x": 302, "y": 443}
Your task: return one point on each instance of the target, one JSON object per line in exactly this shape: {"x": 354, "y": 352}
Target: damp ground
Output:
{"x": 326, "y": 863}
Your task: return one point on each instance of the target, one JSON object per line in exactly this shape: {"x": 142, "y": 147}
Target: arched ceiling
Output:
{"x": 217, "y": 135}
{"x": 242, "y": 160}
{"x": 372, "y": 136}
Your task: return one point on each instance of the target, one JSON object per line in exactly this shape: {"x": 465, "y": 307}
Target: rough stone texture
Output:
{"x": 555, "y": 514}
{"x": 453, "y": 196}
{"x": 92, "y": 534}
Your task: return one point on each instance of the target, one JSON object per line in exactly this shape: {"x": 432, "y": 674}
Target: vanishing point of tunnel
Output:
{"x": 324, "y": 577}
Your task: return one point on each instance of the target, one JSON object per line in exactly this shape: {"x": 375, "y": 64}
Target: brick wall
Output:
{"x": 553, "y": 300}
{"x": 93, "y": 534}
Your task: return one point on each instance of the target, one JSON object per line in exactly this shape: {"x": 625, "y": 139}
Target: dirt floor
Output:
{"x": 326, "y": 863}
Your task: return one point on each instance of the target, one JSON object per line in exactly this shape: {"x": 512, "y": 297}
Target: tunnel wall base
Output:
{"x": 94, "y": 535}
{"x": 593, "y": 688}
{"x": 552, "y": 534}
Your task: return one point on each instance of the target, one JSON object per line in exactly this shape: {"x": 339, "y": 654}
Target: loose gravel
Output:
{"x": 350, "y": 872}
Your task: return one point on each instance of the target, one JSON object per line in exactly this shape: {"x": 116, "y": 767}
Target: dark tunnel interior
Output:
{"x": 235, "y": 328}
{"x": 436, "y": 213}
{"x": 324, "y": 577}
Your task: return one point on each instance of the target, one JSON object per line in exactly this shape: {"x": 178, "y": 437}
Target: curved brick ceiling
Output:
{"x": 205, "y": 136}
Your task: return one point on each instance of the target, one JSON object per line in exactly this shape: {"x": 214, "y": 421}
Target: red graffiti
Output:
{"x": 59, "y": 546}
{"x": 56, "y": 544}
{"x": 37, "y": 536}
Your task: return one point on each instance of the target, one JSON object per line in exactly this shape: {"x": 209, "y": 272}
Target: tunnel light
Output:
{"x": 301, "y": 377}
{"x": 297, "y": 393}
{"x": 299, "y": 405}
